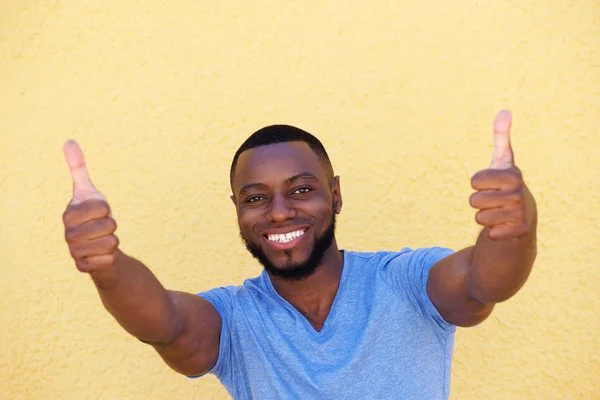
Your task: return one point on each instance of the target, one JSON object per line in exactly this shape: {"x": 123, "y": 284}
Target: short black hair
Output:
{"x": 279, "y": 134}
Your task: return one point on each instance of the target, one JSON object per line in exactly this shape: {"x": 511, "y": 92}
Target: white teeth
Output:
{"x": 285, "y": 238}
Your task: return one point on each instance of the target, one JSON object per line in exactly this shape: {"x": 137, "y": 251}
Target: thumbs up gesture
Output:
{"x": 89, "y": 227}
{"x": 502, "y": 198}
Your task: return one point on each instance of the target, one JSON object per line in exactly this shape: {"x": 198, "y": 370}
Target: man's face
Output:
{"x": 286, "y": 205}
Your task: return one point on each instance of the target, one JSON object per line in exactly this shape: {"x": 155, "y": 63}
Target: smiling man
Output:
{"x": 319, "y": 322}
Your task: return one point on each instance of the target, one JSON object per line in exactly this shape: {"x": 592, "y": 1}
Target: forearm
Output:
{"x": 137, "y": 300}
{"x": 498, "y": 268}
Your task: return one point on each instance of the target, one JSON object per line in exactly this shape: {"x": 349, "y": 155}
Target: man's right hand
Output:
{"x": 89, "y": 227}
{"x": 183, "y": 328}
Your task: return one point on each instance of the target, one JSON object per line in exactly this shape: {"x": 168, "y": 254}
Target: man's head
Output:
{"x": 286, "y": 198}
{"x": 282, "y": 134}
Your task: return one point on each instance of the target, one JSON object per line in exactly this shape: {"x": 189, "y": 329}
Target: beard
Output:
{"x": 296, "y": 271}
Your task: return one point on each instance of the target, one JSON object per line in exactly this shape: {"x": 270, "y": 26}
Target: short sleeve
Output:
{"x": 407, "y": 273}
{"x": 222, "y": 299}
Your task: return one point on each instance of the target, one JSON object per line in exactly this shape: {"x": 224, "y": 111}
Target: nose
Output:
{"x": 280, "y": 210}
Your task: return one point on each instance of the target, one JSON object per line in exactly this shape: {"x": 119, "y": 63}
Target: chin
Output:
{"x": 296, "y": 272}
{"x": 298, "y": 262}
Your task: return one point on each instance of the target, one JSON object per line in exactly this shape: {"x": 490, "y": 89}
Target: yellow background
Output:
{"x": 160, "y": 94}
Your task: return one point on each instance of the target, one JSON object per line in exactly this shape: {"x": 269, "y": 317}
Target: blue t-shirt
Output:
{"x": 382, "y": 339}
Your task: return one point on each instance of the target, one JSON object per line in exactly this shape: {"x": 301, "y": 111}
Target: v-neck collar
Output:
{"x": 336, "y": 299}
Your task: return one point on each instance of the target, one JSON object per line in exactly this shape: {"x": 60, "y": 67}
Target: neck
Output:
{"x": 314, "y": 295}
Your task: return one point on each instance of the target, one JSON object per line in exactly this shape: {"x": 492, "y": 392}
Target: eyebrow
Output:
{"x": 302, "y": 175}
{"x": 262, "y": 186}
{"x": 249, "y": 186}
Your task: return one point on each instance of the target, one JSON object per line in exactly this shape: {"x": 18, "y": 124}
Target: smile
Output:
{"x": 285, "y": 237}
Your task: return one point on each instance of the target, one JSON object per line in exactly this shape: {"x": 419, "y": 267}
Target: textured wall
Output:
{"x": 402, "y": 93}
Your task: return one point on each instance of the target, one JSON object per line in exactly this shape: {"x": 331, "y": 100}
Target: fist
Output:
{"x": 89, "y": 227}
{"x": 502, "y": 197}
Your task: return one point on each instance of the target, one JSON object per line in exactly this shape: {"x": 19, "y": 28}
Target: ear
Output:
{"x": 336, "y": 194}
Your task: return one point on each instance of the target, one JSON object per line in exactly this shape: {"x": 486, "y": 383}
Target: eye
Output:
{"x": 254, "y": 199}
{"x": 302, "y": 190}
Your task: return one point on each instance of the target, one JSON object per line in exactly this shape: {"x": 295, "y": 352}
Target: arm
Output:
{"x": 183, "y": 328}
{"x": 465, "y": 286}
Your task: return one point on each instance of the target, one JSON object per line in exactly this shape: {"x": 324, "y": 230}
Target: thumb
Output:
{"x": 503, "y": 154}
{"x": 83, "y": 188}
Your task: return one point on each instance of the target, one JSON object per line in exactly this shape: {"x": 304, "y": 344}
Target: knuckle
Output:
{"x": 113, "y": 242}
{"x": 90, "y": 206}
{"x": 67, "y": 216}
{"x": 515, "y": 196}
{"x": 493, "y": 234}
{"x": 81, "y": 265}
{"x": 477, "y": 178}
{"x": 70, "y": 235}
{"x": 92, "y": 263}
{"x": 102, "y": 261}
{"x": 523, "y": 228}
{"x": 515, "y": 232}
{"x": 111, "y": 224}
{"x": 479, "y": 218}
{"x": 84, "y": 265}
{"x": 519, "y": 214}
{"x": 516, "y": 172}
{"x": 516, "y": 177}
{"x": 508, "y": 199}
{"x": 473, "y": 200}
{"x": 75, "y": 251}
{"x": 95, "y": 209}
{"x": 83, "y": 208}
{"x": 110, "y": 259}
{"x": 102, "y": 207}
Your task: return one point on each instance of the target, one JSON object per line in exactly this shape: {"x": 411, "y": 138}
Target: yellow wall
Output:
{"x": 402, "y": 93}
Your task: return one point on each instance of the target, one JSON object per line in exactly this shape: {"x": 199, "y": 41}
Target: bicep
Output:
{"x": 448, "y": 289}
{"x": 195, "y": 350}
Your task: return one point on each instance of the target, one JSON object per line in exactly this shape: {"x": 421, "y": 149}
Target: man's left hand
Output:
{"x": 501, "y": 192}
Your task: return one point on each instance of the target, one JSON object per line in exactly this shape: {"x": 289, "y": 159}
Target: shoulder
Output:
{"x": 225, "y": 298}
{"x": 373, "y": 258}
{"x": 406, "y": 254}
{"x": 406, "y": 262}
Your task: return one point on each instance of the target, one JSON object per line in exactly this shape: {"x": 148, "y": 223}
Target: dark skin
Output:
{"x": 281, "y": 188}
{"x": 466, "y": 285}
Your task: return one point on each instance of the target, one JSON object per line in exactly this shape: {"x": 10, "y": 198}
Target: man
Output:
{"x": 320, "y": 322}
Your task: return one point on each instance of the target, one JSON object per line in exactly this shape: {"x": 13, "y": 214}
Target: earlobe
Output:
{"x": 337, "y": 208}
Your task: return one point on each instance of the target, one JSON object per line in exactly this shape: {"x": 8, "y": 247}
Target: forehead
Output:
{"x": 275, "y": 163}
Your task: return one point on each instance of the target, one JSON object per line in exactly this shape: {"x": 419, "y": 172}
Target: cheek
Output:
{"x": 246, "y": 223}
{"x": 324, "y": 210}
